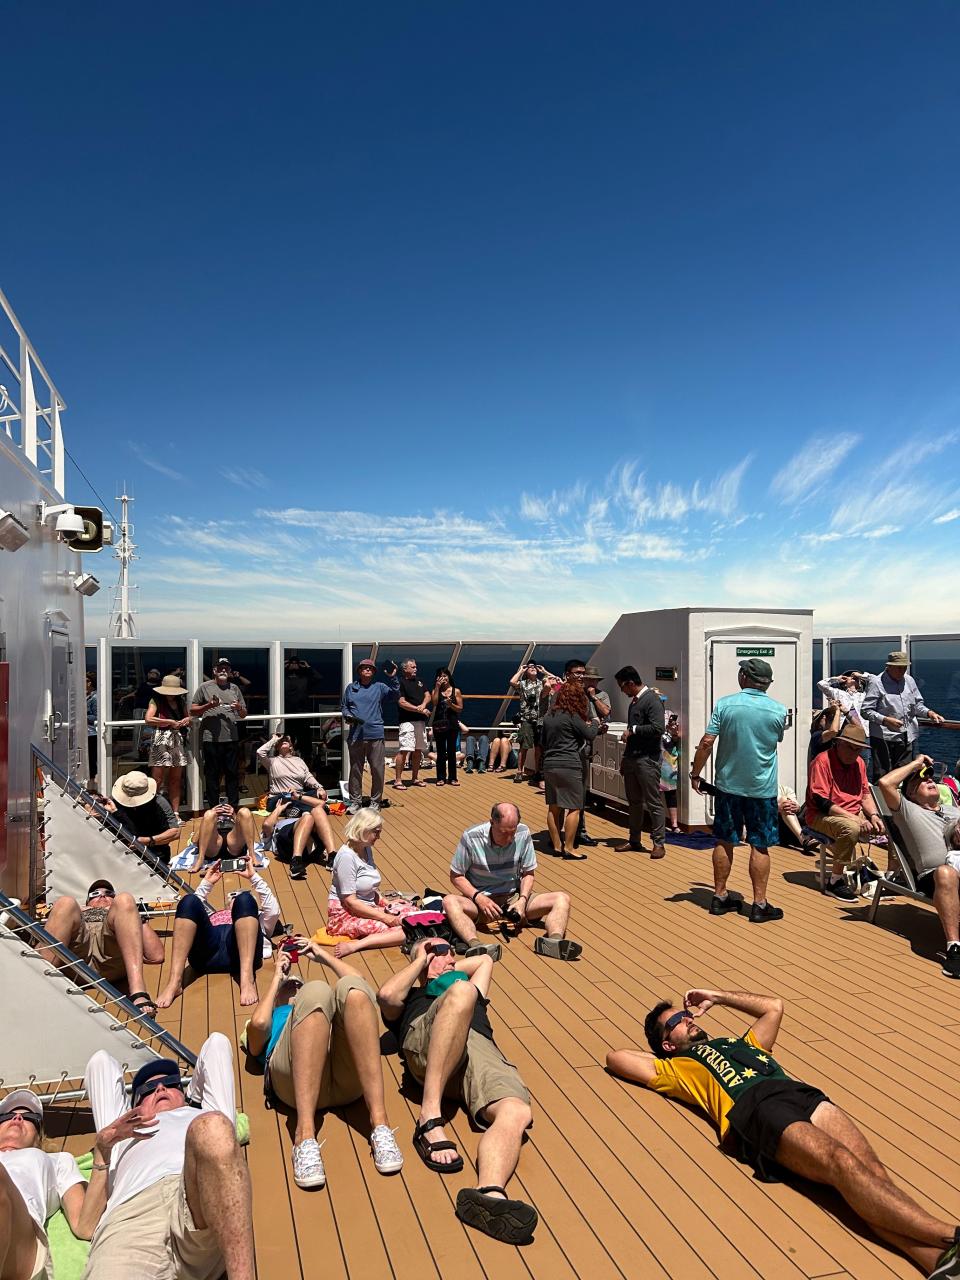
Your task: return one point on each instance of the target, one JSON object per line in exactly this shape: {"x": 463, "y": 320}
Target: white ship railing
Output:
{"x": 30, "y": 405}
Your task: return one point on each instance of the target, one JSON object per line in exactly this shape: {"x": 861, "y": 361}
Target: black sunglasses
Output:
{"x": 152, "y": 1086}
{"x": 24, "y": 1114}
{"x": 674, "y": 1021}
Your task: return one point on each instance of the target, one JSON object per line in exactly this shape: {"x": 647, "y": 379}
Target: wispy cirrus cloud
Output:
{"x": 803, "y": 477}
{"x": 150, "y": 460}
{"x": 247, "y": 479}
{"x": 948, "y": 516}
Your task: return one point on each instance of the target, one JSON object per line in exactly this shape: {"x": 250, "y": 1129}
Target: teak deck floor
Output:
{"x": 626, "y": 1183}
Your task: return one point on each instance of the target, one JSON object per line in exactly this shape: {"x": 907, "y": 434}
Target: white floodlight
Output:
{"x": 67, "y": 519}
{"x": 86, "y": 584}
{"x": 13, "y": 534}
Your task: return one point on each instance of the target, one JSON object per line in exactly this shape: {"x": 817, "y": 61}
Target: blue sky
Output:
{"x": 499, "y": 319}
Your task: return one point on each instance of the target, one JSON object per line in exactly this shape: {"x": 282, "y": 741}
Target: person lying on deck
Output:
{"x": 777, "y": 1120}
{"x": 320, "y": 1046}
{"x": 34, "y": 1184}
{"x": 108, "y": 934}
{"x": 437, "y": 1009}
{"x": 234, "y": 947}
{"x": 492, "y": 874}
{"x": 168, "y": 1175}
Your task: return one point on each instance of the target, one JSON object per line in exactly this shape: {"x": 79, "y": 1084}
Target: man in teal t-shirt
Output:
{"x": 749, "y": 726}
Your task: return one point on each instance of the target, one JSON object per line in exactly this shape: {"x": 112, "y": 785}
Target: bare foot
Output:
{"x": 248, "y": 993}
{"x": 344, "y": 949}
{"x": 438, "y": 1135}
{"x": 167, "y": 996}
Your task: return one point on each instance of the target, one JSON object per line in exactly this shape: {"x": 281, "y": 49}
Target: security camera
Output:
{"x": 86, "y": 584}
{"x": 67, "y": 520}
{"x": 13, "y": 534}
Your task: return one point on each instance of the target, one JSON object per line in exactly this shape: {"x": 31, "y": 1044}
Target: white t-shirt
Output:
{"x": 353, "y": 874}
{"x": 138, "y": 1165}
{"x": 42, "y": 1179}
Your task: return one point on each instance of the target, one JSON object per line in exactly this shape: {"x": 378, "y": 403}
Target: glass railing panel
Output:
{"x": 935, "y": 665}
{"x": 862, "y": 654}
{"x": 135, "y": 670}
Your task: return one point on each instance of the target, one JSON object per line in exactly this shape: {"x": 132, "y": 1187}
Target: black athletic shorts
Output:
{"x": 759, "y": 1117}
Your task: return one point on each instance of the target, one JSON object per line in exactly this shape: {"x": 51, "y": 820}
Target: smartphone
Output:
{"x": 289, "y": 947}
{"x": 233, "y": 864}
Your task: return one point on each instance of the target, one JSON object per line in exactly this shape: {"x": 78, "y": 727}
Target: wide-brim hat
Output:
{"x": 853, "y": 735}
{"x": 898, "y": 658}
{"x": 21, "y": 1098}
{"x": 169, "y": 685}
{"x": 590, "y": 673}
{"x": 134, "y": 789}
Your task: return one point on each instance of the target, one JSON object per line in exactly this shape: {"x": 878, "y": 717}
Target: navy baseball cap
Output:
{"x": 159, "y": 1071}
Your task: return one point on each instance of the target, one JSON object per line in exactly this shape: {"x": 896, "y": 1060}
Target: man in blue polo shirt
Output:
{"x": 749, "y": 725}
{"x": 362, "y": 706}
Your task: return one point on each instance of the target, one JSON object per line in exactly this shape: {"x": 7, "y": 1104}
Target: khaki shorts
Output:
{"x": 413, "y": 735}
{"x": 153, "y": 1234}
{"x": 482, "y": 1076}
{"x": 97, "y": 945}
{"x": 42, "y": 1266}
{"x": 340, "y": 1084}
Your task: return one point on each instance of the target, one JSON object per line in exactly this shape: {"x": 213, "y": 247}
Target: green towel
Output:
{"x": 69, "y": 1255}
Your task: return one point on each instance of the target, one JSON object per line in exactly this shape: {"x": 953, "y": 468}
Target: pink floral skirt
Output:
{"x": 341, "y": 924}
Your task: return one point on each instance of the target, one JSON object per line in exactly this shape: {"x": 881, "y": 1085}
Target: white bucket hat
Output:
{"x": 134, "y": 789}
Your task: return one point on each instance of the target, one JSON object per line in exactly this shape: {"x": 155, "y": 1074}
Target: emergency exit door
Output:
{"x": 724, "y": 658}
{"x": 59, "y": 700}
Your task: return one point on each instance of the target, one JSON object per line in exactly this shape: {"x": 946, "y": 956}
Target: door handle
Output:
{"x": 789, "y": 722}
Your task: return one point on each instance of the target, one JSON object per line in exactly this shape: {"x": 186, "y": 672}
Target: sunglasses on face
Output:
{"x": 440, "y": 948}
{"x": 674, "y": 1021}
{"x": 100, "y": 893}
{"x": 24, "y": 1114}
{"x": 152, "y": 1086}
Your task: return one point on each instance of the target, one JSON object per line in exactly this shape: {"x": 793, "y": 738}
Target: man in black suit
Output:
{"x": 641, "y": 762}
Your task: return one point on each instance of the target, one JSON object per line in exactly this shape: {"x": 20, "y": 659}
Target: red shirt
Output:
{"x": 844, "y": 785}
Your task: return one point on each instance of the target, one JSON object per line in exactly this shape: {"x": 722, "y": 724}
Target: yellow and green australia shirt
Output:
{"x": 708, "y": 1076}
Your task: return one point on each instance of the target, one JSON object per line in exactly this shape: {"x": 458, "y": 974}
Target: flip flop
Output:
{"x": 399, "y": 786}
{"x": 424, "y": 1148}
{"x": 510, "y": 1221}
{"x": 419, "y": 783}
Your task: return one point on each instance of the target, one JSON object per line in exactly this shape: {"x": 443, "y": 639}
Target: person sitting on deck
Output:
{"x": 476, "y": 748}
{"x": 294, "y": 833}
{"x": 34, "y": 1184}
{"x": 777, "y": 1120}
{"x": 234, "y": 947}
{"x": 168, "y": 1172}
{"x": 144, "y": 816}
{"x": 492, "y": 874}
{"x": 931, "y": 839}
{"x": 503, "y": 749}
{"x": 320, "y": 1046}
{"x": 839, "y": 804}
{"x": 291, "y": 779}
{"x": 437, "y": 1009}
{"x": 108, "y": 934}
{"x": 356, "y": 909}
{"x": 226, "y": 832}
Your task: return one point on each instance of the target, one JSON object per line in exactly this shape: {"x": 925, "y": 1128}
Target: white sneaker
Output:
{"x": 308, "y": 1165}
{"x": 387, "y": 1156}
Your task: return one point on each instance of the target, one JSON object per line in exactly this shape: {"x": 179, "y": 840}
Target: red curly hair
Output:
{"x": 572, "y": 698}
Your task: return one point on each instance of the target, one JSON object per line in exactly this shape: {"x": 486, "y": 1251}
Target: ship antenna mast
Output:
{"x": 122, "y": 622}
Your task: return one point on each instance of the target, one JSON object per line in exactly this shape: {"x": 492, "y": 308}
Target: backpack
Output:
{"x": 425, "y": 924}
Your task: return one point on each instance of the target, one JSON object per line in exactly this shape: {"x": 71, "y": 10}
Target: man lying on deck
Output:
{"x": 169, "y": 1178}
{"x": 778, "y": 1120}
{"x": 492, "y": 874}
{"x": 320, "y": 1046}
{"x": 437, "y": 1009}
{"x": 108, "y": 934}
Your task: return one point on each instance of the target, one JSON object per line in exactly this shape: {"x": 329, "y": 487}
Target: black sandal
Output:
{"x": 144, "y": 1003}
{"x": 424, "y": 1148}
{"x": 510, "y": 1221}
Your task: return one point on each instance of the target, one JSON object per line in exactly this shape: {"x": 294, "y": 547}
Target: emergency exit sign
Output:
{"x": 754, "y": 651}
